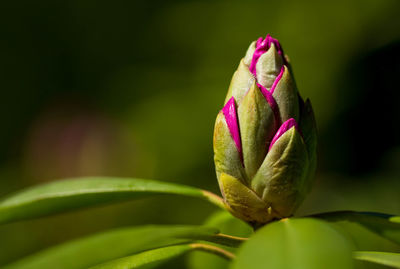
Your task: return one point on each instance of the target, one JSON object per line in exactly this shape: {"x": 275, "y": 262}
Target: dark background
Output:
{"x": 132, "y": 88}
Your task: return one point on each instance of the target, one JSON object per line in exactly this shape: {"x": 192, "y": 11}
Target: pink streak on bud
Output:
{"x": 259, "y": 41}
{"x": 231, "y": 119}
{"x": 278, "y": 78}
{"x": 262, "y": 46}
{"x": 283, "y": 129}
{"x": 270, "y": 99}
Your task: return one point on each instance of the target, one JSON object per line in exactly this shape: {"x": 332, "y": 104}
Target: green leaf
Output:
{"x": 113, "y": 244}
{"x": 387, "y": 226}
{"x": 147, "y": 259}
{"x": 303, "y": 243}
{"x": 383, "y": 258}
{"x": 152, "y": 258}
{"x": 395, "y": 219}
{"x": 365, "y": 239}
{"x": 227, "y": 224}
{"x": 69, "y": 194}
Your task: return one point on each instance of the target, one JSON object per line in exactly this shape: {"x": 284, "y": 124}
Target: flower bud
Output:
{"x": 264, "y": 138}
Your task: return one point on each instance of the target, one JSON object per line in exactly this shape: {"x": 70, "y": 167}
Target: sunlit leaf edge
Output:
{"x": 383, "y": 258}
{"x": 69, "y": 194}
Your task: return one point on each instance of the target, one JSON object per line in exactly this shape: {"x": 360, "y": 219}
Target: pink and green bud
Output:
{"x": 264, "y": 138}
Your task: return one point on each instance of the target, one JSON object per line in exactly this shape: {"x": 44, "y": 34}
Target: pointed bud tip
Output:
{"x": 265, "y": 44}
{"x": 230, "y": 114}
{"x": 262, "y": 46}
{"x": 286, "y": 126}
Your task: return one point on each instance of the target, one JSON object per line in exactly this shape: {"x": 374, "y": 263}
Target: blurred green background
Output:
{"x": 132, "y": 88}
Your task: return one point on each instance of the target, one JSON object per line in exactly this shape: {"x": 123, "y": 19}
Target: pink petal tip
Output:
{"x": 229, "y": 111}
{"x": 287, "y": 125}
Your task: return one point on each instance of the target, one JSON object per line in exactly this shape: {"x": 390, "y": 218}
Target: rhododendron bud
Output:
{"x": 264, "y": 138}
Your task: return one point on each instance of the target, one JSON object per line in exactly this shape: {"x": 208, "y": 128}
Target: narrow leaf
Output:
{"x": 113, "y": 244}
{"x": 383, "y": 258}
{"x": 155, "y": 257}
{"x": 147, "y": 259}
{"x": 387, "y": 226}
{"x": 69, "y": 194}
{"x": 304, "y": 243}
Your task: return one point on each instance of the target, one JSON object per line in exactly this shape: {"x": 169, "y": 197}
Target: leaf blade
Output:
{"x": 151, "y": 258}
{"x": 383, "y": 258}
{"x": 387, "y": 226}
{"x": 304, "y": 243}
{"x": 109, "y": 245}
{"x": 227, "y": 224}
{"x": 70, "y": 194}
{"x": 147, "y": 259}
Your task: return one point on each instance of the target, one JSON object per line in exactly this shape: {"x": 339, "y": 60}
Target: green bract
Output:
{"x": 264, "y": 138}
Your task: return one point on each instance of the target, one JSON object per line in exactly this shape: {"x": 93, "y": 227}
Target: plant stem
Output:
{"x": 232, "y": 237}
{"x": 222, "y": 239}
{"x": 215, "y": 199}
{"x": 214, "y": 250}
{"x": 228, "y": 240}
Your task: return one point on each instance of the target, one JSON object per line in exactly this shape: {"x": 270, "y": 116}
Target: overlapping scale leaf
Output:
{"x": 280, "y": 181}
{"x": 241, "y": 82}
{"x": 243, "y": 202}
{"x": 226, "y": 155}
{"x": 257, "y": 126}
{"x": 286, "y": 97}
{"x": 268, "y": 66}
{"x": 308, "y": 130}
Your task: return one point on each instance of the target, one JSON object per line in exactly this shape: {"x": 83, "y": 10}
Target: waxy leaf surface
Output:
{"x": 304, "y": 243}
{"x": 110, "y": 245}
{"x": 70, "y": 194}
